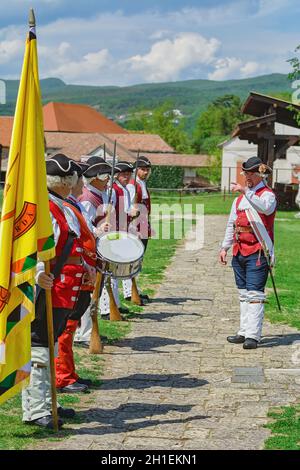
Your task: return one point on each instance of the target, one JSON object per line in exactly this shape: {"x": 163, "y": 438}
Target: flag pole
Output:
{"x": 49, "y": 310}
{"x": 51, "y": 350}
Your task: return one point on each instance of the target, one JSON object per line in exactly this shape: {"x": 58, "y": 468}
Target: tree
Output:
{"x": 295, "y": 75}
{"x": 218, "y": 121}
{"x": 164, "y": 122}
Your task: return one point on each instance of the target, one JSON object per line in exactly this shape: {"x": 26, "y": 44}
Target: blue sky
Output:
{"x": 114, "y": 42}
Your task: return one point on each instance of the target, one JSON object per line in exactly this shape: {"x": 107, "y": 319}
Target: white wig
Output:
{"x": 69, "y": 181}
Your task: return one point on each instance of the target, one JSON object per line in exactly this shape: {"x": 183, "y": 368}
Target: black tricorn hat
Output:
{"x": 97, "y": 166}
{"x": 82, "y": 167}
{"x": 256, "y": 164}
{"x": 123, "y": 166}
{"x": 61, "y": 165}
{"x": 143, "y": 162}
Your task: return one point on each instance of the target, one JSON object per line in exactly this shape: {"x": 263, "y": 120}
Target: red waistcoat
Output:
{"x": 144, "y": 227}
{"x": 247, "y": 243}
{"x": 96, "y": 200}
{"x": 88, "y": 243}
{"x": 67, "y": 285}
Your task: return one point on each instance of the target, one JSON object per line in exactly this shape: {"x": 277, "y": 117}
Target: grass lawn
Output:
{"x": 286, "y": 273}
{"x": 285, "y": 427}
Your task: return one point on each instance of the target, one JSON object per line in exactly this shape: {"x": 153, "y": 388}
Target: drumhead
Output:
{"x": 120, "y": 247}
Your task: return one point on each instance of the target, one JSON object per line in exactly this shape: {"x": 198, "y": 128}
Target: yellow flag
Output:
{"x": 26, "y": 232}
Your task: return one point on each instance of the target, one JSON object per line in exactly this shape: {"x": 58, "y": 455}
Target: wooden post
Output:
{"x": 224, "y": 193}
{"x": 135, "y": 296}
{"x": 51, "y": 350}
{"x": 229, "y": 179}
{"x": 96, "y": 346}
{"x": 113, "y": 308}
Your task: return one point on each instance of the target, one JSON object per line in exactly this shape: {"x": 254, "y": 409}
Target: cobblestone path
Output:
{"x": 175, "y": 382}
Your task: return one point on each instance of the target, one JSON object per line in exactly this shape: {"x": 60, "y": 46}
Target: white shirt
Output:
{"x": 264, "y": 204}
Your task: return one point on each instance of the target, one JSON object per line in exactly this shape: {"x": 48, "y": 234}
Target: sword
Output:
{"x": 112, "y": 174}
{"x": 273, "y": 282}
{"x": 266, "y": 250}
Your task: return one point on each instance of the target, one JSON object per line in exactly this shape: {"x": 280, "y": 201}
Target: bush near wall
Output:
{"x": 169, "y": 177}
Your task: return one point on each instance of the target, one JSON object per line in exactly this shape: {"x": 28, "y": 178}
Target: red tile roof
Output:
{"x": 6, "y": 125}
{"x": 65, "y": 117}
{"x": 75, "y": 145}
{"x": 143, "y": 142}
{"x": 177, "y": 159}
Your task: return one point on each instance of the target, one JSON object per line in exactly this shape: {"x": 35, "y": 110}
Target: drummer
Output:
{"x": 140, "y": 196}
{"x": 94, "y": 200}
{"x": 124, "y": 209}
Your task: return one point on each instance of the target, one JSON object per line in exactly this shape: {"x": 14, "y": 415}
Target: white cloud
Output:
{"x": 233, "y": 67}
{"x": 168, "y": 58}
{"x": 90, "y": 66}
{"x": 250, "y": 69}
{"x": 9, "y": 50}
{"x": 268, "y": 7}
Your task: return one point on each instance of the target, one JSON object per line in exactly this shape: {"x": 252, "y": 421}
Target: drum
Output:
{"x": 120, "y": 254}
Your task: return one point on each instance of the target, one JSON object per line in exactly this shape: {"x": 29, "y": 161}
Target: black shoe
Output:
{"x": 128, "y": 299}
{"x": 87, "y": 382}
{"x": 45, "y": 422}
{"x": 73, "y": 388}
{"x": 82, "y": 344}
{"x": 237, "y": 339}
{"x": 65, "y": 412}
{"x": 250, "y": 343}
{"x": 124, "y": 310}
{"x": 145, "y": 297}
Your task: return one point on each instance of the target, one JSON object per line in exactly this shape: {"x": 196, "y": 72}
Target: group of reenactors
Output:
{"x": 80, "y": 201}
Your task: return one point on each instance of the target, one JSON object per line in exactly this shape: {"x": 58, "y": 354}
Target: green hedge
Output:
{"x": 169, "y": 177}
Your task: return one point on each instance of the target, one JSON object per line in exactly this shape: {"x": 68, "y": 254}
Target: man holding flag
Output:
{"x": 250, "y": 231}
{"x": 26, "y": 232}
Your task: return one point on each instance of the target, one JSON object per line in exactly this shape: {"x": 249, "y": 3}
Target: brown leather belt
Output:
{"x": 70, "y": 260}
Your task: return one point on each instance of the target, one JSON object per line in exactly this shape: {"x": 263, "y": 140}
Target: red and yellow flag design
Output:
{"x": 26, "y": 233}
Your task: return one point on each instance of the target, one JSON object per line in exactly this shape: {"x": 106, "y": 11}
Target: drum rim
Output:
{"x": 121, "y": 262}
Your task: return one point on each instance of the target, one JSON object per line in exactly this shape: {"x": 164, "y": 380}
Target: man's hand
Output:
{"x": 45, "y": 281}
{"x": 236, "y": 187}
{"x": 105, "y": 227}
{"x": 134, "y": 213}
{"x": 91, "y": 273}
{"x": 223, "y": 256}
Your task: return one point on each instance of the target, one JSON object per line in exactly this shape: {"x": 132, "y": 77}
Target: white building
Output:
{"x": 236, "y": 151}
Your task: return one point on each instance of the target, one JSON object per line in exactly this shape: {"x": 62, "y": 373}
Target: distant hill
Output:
{"x": 190, "y": 96}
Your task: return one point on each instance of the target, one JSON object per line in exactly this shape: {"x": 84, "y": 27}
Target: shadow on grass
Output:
{"x": 149, "y": 343}
{"x": 271, "y": 341}
{"x": 145, "y": 381}
{"x": 164, "y": 316}
{"x": 121, "y": 419}
{"x": 179, "y": 300}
